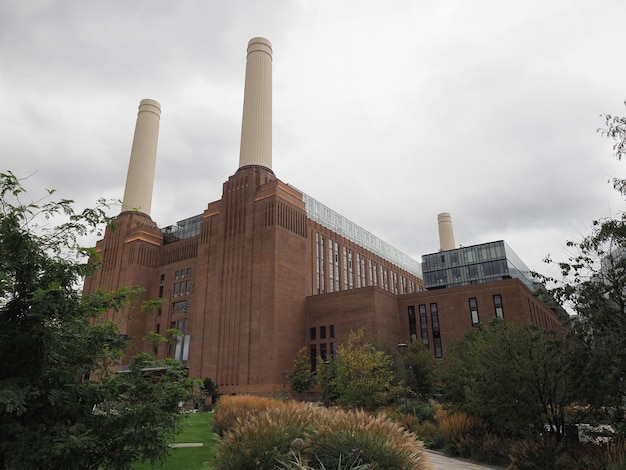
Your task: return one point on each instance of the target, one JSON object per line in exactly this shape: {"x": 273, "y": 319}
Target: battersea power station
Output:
{"x": 267, "y": 270}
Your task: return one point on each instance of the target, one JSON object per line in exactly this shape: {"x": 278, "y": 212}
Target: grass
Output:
{"x": 196, "y": 429}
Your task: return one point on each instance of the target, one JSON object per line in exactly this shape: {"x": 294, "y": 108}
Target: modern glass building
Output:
{"x": 474, "y": 264}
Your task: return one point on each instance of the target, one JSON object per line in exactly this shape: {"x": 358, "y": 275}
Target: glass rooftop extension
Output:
{"x": 474, "y": 265}
{"x": 315, "y": 210}
{"x": 332, "y": 220}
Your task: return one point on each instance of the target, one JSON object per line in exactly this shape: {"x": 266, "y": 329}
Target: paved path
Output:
{"x": 439, "y": 461}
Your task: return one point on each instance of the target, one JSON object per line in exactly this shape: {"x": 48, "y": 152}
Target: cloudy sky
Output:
{"x": 389, "y": 112}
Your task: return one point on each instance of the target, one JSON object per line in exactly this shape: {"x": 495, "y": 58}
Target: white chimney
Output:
{"x": 140, "y": 178}
{"x": 256, "y": 126}
{"x": 446, "y": 234}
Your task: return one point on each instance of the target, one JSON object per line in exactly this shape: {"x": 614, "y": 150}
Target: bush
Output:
{"x": 460, "y": 432}
{"x": 231, "y": 408}
{"x": 360, "y": 438}
{"x": 301, "y": 436}
{"x": 430, "y": 434}
{"x": 264, "y": 439}
{"x": 556, "y": 455}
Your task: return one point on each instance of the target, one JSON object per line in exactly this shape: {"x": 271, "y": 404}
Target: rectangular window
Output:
{"x": 473, "y": 306}
{"x": 412, "y": 324}
{"x": 333, "y": 350}
{"x": 313, "y": 356}
{"x": 181, "y": 307}
{"x": 188, "y": 287}
{"x": 345, "y": 268}
{"x": 177, "y": 275}
{"x": 322, "y": 332}
{"x": 162, "y": 278}
{"x": 350, "y": 271}
{"x": 160, "y": 292}
{"x": 176, "y": 289}
{"x": 332, "y": 331}
{"x": 434, "y": 318}
{"x": 312, "y": 334}
{"x": 424, "y": 326}
{"x": 323, "y": 351}
{"x": 497, "y": 305}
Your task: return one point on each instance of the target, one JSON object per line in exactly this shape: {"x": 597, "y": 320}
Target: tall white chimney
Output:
{"x": 140, "y": 177}
{"x": 256, "y": 126}
{"x": 446, "y": 234}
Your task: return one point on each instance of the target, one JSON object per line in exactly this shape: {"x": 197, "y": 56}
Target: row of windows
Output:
{"x": 343, "y": 269}
{"x": 322, "y": 332}
{"x": 422, "y": 333}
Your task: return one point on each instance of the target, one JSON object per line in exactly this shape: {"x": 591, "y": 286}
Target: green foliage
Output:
{"x": 327, "y": 381}
{"x": 515, "y": 378}
{"x": 61, "y": 404}
{"x": 593, "y": 285}
{"x": 300, "y": 436}
{"x": 365, "y": 374}
{"x": 301, "y": 377}
{"x": 421, "y": 370}
{"x": 210, "y": 388}
{"x": 263, "y": 439}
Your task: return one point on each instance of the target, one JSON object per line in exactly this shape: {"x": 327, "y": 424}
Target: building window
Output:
{"x": 333, "y": 350}
{"x": 333, "y": 271}
{"x": 497, "y": 305}
{"x": 424, "y": 326}
{"x": 320, "y": 263}
{"x": 473, "y": 305}
{"x": 312, "y": 334}
{"x": 323, "y": 351}
{"x": 350, "y": 271}
{"x": 176, "y": 289}
{"x": 162, "y": 278}
{"x": 181, "y": 307}
{"x": 313, "y": 356}
{"x": 332, "y": 331}
{"x": 177, "y": 275}
{"x": 322, "y": 332}
{"x": 160, "y": 292}
{"x": 434, "y": 318}
{"x": 412, "y": 324}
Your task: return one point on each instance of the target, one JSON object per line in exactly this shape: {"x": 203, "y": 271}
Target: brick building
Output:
{"x": 267, "y": 270}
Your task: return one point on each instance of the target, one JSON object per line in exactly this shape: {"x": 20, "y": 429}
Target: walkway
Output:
{"x": 440, "y": 461}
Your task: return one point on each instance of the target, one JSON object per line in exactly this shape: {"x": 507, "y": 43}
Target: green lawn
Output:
{"x": 196, "y": 429}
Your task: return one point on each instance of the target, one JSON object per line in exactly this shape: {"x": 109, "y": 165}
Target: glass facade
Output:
{"x": 183, "y": 229}
{"x": 330, "y": 219}
{"x": 474, "y": 265}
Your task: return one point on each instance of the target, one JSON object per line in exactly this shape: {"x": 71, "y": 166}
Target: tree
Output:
{"x": 421, "y": 370}
{"x": 365, "y": 374}
{"x": 593, "y": 286}
{"x": 301, "y": 377}
{"x": 210, "y": 389}
{"x": 516, "y": 378}
{"x": 327, "y": 381}
{"x": 62, "y": 404}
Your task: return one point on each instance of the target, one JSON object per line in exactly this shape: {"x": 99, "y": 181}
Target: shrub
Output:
{"x": 616, "y": 455}
{"x": 556, "y": 455}
{"x": 296, "y": 435}
{"x": 461, "y": 432}
{"x": 359, "y": 438}
{"x": 264, "y": 439}
{"x": 430, "y": 434}
{"x": 231, "y": 408}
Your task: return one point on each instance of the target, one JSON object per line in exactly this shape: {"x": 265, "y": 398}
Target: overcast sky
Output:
{"x": 389, "y": 112}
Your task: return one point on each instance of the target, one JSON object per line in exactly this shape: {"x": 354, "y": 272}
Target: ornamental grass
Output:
{"x": 296, "y": 435}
